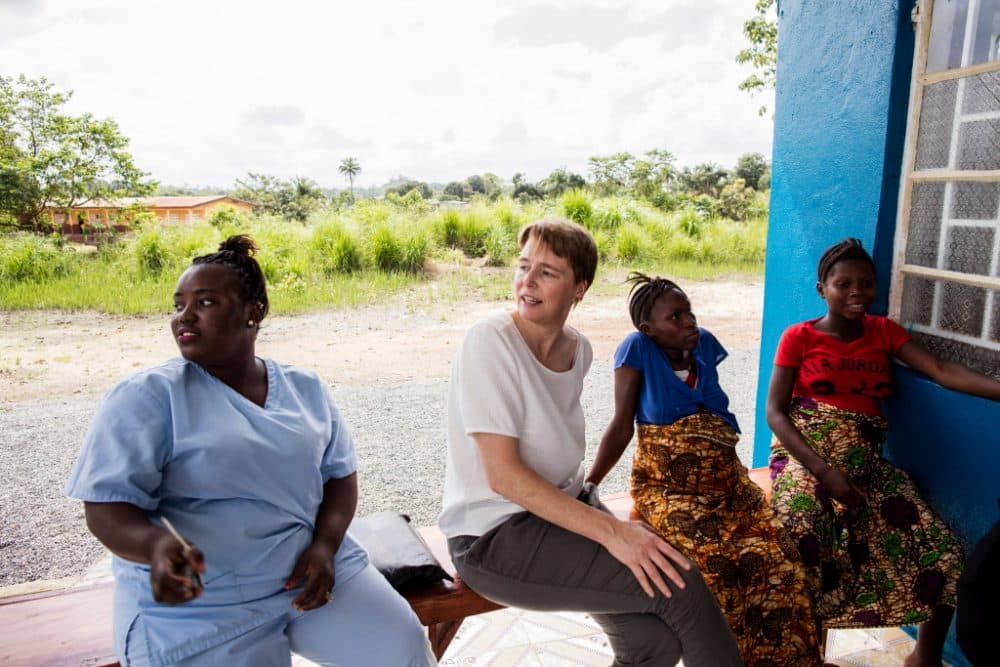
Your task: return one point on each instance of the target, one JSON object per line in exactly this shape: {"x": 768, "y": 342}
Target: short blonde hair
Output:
{"x": 568, "y": 240}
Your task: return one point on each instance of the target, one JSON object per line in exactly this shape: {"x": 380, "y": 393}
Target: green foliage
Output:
{"x": 458, "y": 190}
{"x": 762, "y": 54}
{"x": 31, "y": 259}
{"x": 292, "y": 200}
{"x": 487, "y": 185}
{"x": 576, "y": 206}
{"x": 227, "y": 217}
{"x": 752, "y": 168}
{"x": 560, "y": 181}
{"x": 334, "y": 250}
{"x": 414, "y": 252}
{"x": 152, "y": 255}
{"x": 736, "y": 200}
{"x": 404, "y": 187}
{"x": 501, "y": 246}
{"x": 384, "y": 248}
{"x": 50, "y": 158}
{"x": 349, "y": 168}
{"x": 706, "y": 178}
{"x": 341, "y": 258}
{"x": 690, "y": 222}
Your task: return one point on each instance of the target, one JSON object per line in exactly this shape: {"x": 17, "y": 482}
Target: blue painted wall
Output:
{"x": 840, "y": 113}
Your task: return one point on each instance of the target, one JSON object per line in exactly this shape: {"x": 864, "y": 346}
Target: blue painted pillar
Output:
{"x": 840, "y": 124}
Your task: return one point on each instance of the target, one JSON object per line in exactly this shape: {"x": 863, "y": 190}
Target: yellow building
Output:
{"x": 118, "y": 214}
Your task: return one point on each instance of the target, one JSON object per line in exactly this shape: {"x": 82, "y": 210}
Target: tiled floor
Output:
{"x": 519, "y": 638}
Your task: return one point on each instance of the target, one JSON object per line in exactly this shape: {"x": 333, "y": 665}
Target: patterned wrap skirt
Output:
{"x": 887, "y": 564}
{"x": 688, "y": 483}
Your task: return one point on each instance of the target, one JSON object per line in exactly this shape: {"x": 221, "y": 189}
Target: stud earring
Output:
{"x": 250, "y": 323}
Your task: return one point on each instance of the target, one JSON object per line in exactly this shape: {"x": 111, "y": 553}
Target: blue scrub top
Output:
{"x": 242, "y": 482}
{"x": 663, "y": 397}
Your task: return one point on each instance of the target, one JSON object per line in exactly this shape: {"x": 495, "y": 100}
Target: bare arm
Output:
{"x": 779, "y": 398}
{"x": 315, "y": 564}
{"x": 948, "y": 373}
{"x": 128, "y": 533}
{"x": 635, "y": 546}
{"x": 619, "y": 432}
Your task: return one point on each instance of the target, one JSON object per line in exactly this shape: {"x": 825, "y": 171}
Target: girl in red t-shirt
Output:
{"x": 877, "y": 553}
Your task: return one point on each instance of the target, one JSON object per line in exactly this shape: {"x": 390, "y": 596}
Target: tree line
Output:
{"x": 51, "y": 159}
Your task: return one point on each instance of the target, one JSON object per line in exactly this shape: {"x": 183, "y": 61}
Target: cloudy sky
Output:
{"x": 437, "y": 90}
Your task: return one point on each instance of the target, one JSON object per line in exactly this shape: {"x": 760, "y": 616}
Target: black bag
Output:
{"x": 397, "y": 550}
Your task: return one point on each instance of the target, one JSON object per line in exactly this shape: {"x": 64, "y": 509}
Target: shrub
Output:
{"x": 384, "y": 248}
{"x": 603, "y": 242}
{"x": 690, "y": 221}
{"x": 736, "y": 201}
{"x": 228, "y": 217}
{"x": 151, "y": 252}
{"x": 413, "y": 254}
{"x": 501, "y": 245}
{"x": 447, "y": 227}
{"x": 334, "y": 250}
{"x": 472, "y": 230}
{"x": 577, "y": 207}
{"x": 629, "y": 243}
{"x": 29, "y": 258}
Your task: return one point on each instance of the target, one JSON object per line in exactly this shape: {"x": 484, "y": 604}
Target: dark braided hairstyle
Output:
{"x": 237, "y": 252}
{"x": 644, "y": 293}
{"x": 848, "y": 249}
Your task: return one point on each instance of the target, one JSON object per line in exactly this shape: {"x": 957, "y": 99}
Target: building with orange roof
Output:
{"x": 119, "y": 214}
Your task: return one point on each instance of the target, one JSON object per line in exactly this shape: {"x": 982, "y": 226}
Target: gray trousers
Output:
{"x": 533, "y": 564}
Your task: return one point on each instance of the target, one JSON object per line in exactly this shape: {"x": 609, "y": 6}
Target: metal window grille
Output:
{"x": 946, "y": 269}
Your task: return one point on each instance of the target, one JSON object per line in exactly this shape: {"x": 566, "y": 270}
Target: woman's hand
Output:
{"x": 843, "y": 489}
{"x": 647, "y": 555}
{"x": 315, "y": 565}
{"x": 174, "y": 570}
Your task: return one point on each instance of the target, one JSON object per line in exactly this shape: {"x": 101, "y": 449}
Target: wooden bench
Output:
{"x": 72, "y": 627}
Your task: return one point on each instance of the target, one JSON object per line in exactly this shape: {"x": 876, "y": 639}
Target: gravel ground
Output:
{"x": 399, "y": 429}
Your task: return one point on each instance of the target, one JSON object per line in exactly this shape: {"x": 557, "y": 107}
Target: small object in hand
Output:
{"x": 188, "y": 571}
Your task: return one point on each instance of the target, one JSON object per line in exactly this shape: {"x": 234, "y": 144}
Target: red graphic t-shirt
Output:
{"x": 851, "y": 376}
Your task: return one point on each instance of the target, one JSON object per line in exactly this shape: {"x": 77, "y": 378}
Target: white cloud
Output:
{"x": 210, "y": 90}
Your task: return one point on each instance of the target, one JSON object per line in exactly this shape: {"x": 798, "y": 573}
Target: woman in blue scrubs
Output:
{"x": 250, "y": 461}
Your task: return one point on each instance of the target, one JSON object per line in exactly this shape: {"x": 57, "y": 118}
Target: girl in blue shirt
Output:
{"x": 689, "y": 484}
{"x": 252, "y": 464}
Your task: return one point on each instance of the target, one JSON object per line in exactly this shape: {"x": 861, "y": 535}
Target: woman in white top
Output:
{"x": 521, "y": 528}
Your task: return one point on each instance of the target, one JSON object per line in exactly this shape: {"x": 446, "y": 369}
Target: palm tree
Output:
{"x": 350, "y": 167}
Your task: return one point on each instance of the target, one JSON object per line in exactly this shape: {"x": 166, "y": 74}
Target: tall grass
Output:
{"x": 356, "y": 256}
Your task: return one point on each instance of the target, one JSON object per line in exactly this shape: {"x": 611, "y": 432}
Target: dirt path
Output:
{"x": 46, "y": 354}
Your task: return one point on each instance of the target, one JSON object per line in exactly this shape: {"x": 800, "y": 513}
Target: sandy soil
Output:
{"x": 46, "y": 354}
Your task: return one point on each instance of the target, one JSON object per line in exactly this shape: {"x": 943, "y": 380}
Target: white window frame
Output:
{"x": 911, "y": 176}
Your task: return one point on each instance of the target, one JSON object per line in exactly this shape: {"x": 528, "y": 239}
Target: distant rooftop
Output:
{"x": 156, "y": 202}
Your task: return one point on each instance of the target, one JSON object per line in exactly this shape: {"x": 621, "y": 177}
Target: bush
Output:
{"x": 334, "y": 250}
{"x": 473, "y": 228}
{"x": 501, "y": 245}
{"x": 385, "y": 249}
{"x": 29, "y": 258}
{"x": 577, "y": 207}
{"x": 151, "y": 252}
{"x": 228, "y": 217}
{"x": 630, "y": 243}
{"x": 736, "y": 201}
{"x": 690, "y": 221}
{"x": 414, "y": 253}
{"x": 447, "y": 227}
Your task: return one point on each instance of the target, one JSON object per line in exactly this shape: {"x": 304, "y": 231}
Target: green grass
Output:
{"x": 371, "y": 251}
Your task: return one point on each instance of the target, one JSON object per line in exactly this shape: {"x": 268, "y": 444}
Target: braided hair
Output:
{"x": 842, "y": 251}
{"x": 236, "y": 252}
{"x": 644, "y": 293}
